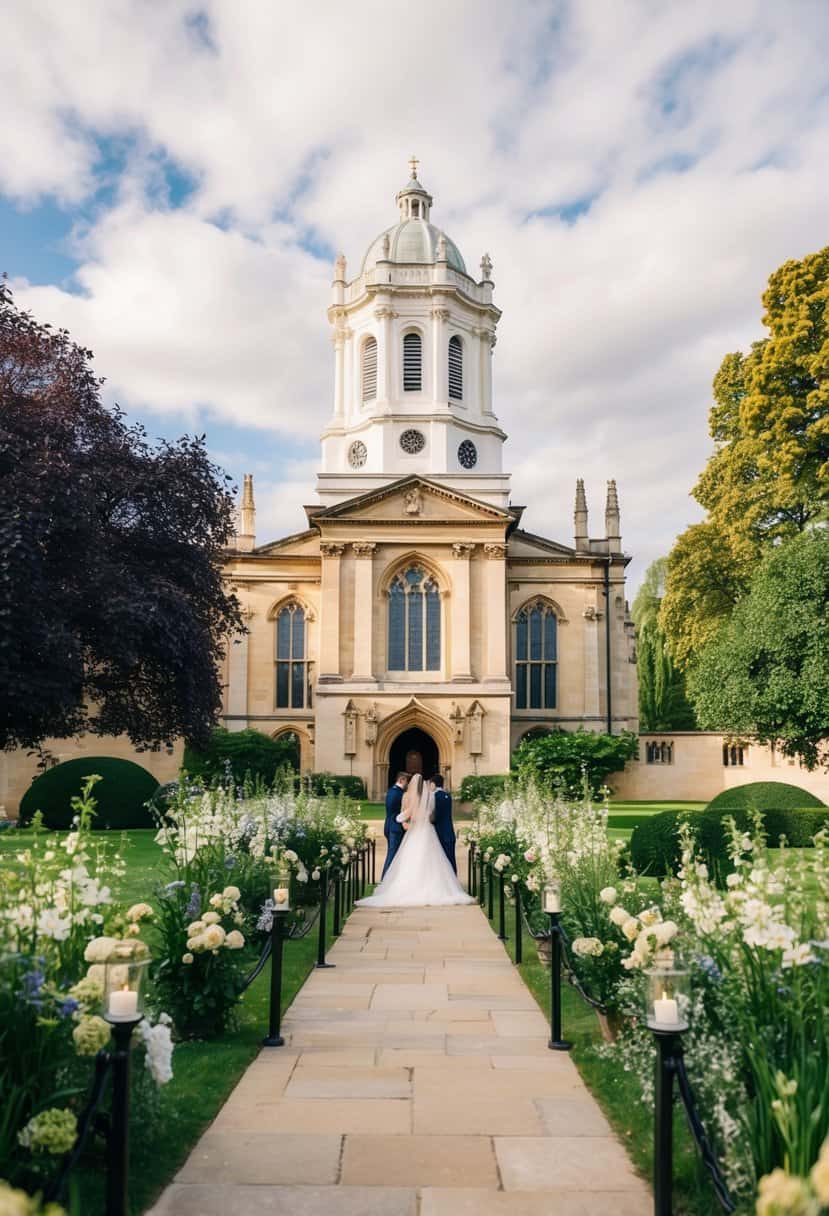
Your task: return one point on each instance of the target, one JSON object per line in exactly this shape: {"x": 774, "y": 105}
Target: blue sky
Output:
{"x": 178, "y": 179}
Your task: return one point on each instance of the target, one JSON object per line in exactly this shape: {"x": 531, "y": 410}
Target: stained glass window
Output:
{"x": 414, "y": 622}
{"x": 536, "y": 657}
{"x": 293, "y": 670}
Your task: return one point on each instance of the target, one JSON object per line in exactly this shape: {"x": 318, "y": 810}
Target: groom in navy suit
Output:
{"x": 442, "y": 819}
{"x": 392, "y": 830}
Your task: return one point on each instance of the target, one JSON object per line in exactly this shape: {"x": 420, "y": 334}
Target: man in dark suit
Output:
{"x": 442, "y": 819}
{"x": 392, "y": 830}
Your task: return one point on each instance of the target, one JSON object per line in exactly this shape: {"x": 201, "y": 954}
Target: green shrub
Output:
{"x": 331, "y": 783}
{"x": 564, "y": 759}
{"x": 121, "y": 794}
{"x": 238, "y": 753}
{"x": 482, "y": 789}
{"x": 764, "y": 796}
{"x": 654, "y": 845}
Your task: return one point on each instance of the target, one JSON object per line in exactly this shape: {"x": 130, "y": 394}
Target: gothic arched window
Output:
{"x": 455, "y": 368}
{"x": 293, "y": 670}
{"x": 412, "y": 363}
{"x": 369, "y": 370}
{"x": 536, "y": 657}
{"x": 414, "y": 622}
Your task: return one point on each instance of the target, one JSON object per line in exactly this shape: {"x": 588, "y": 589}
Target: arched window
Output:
{"x": 293, "y": 671}
{"x": 412, "y": 363}
{"x": 455, "y": 368}
{"x": 414, "y": 622}
{"x": 369, "y": 369}
{"x": 536, "y": 657}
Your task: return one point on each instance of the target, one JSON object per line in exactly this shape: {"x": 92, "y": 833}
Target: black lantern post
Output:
{"x": 281, "y": 907}
{"x": 323, "y": 925}
{"x": 470, "y": 868}
{"x": 490, "y": 895}
{"x": 481, "y": 892}
{"x": 502, "y": 908}
{"x": 519, "y": 928}
{"x": 373, "y": 843}
{"x": 123, "y": 1008}
{"x": 338, "y": 883}
{"x": 666, "y": 1015}
{"x": 552, "y": 906}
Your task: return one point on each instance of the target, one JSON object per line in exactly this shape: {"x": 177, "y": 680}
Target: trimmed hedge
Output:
{"x": 121, "y": 794}
{"x": 654, "y": 845}
{"x": 764, "y": 796}
{"x": 331, "y": 783}
{"x": 482, "y": 789}
{"x": 244, "y": 752}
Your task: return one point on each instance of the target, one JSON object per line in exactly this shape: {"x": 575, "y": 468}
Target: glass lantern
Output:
{"x": 282, "y": 891}
{"x": 124, "y": 974}
{"x": 667, "y": 998}
{"x": 552, "y": 896}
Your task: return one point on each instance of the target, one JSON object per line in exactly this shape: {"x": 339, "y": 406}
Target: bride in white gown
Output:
{"x": 420, "y": 875}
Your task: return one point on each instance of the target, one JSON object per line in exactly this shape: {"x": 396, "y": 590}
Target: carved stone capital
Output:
{"x": 332, "y": 549}
{"x": 462, "y": 551}
{"x": 383, "y": 314}
{"x": 440, "y": 314}
{"x": 495, "y": 552}
{"x": 363, "y": 548}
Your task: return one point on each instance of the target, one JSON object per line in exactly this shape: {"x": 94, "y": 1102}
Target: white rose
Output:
{"x": 139, "y": 912}
{"x": 232, "y": 894}
{"x": 195, "y": 928}
{"x": 631, "y": 929}
{"x": 665, "y": 932}
{"x": 211, "y": 918}
{"x": 315, "y": 874}
{"x": 618, "y": 915}
{"x": 216, "y": 901}
{"x": 187, "y": 958}
{"x": 650, "y": 916}
{"x": 608, "y": 895}
{"x": 234, "y": 940}
{"x": 213, "y": 937}
{"x": 99, "y": 949}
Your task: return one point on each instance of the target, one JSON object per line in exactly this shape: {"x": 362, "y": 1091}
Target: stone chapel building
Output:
{"x": 414, "y": 623}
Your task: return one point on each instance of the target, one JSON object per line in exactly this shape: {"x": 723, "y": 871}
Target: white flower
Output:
{"x": 631, "y": 928}
{"x": 187, "y": 958}
{"x": 216, "y": 901}
{"x": 234, "y": 940}
{"x": 315, "y": 874}
{"x": 291, "y": 856}
{"x": 51, "y": 924}
{"x": 587, "y": 947}
{"x": 159, "y": 1047}
{"x": 618, "y": 915}
{"x": 231, "y": 895}
{"x": 733, "y": 880}
{"x": 211, "y": 918}
{"x": 608, "y": 895}
{"x": 139, "y": 912}
{"x": 650, "y": 916}
{"x": 213, "y": 937}
{"x": 195, "y": 928}
{"x": 665, "y": 932}
{"x": 798, "y": 955}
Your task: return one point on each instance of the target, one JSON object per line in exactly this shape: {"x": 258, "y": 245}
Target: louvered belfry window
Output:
{"x": 414, "y": 622}
{"x": 369, "y": 369}
{"x": 455, "y": 368}
{"x": 412, "y": 364}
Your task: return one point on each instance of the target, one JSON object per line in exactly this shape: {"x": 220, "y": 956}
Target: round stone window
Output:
{"x": 413, "y": 442}
{"x": 467, "y": 454}
{"x": 357, "y": 454}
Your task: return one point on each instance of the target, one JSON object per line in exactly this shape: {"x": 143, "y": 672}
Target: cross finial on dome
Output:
{"x": 413, "y": 163}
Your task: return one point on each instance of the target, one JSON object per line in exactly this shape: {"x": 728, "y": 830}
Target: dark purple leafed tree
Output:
{"x": 113, "y": 611}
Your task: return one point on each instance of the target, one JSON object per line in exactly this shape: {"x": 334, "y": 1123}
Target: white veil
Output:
{"x": 418, "y": 800}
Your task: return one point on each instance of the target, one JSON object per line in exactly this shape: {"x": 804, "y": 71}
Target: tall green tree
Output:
{"x": 663, "y": 704}
{"x": 767, "y": 673}
{"x": 768, "y": 477}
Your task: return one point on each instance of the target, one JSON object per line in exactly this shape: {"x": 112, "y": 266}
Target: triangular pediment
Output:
{"x": 300, "y": 544}
{"x": 414, "y": 499}
{"x": 527, "y": 544}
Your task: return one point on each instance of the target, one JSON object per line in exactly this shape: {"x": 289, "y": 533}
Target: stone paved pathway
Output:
{"x": 415, "y": 1081}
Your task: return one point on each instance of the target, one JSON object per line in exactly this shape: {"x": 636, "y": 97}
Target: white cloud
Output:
{"x": 700, "y": 132}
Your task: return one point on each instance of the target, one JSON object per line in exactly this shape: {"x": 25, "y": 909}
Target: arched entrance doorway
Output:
{"x": 413, "y": 751}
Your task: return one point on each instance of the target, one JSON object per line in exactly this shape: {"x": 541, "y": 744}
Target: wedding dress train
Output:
{"x": 421, "y": 874}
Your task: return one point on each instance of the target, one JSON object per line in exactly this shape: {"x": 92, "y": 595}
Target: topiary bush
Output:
{"x": 121, "y": 795}
{"x": 240, "y": 753}
{"x": 654, "y": 844}
{"x": 482, "y": 789}
{"x": 764, "y": 796}
{"x": 331, "y": 783}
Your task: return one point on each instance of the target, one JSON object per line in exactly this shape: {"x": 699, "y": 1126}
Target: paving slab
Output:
{"x": 416, "y": 1081}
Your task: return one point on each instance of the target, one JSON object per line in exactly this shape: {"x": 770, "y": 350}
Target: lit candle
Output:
{"x": 665, "y": 1011}
{"x": 123, "y": 1005}
{"x": 552, "y": 900}
{"x": 280, "y": 896}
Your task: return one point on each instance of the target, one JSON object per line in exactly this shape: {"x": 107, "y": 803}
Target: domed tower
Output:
{"x": 413, "y": 338}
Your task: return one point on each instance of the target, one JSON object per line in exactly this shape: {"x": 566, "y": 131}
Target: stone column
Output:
{"x": 461, "y": 667}
{"x": 363, "y": 605}
{"x": 338, "y": 338}
{"x": 237, "y": 677}
{"x": 495, "y": 598}
{"x": 486, "y": 340}
{"x": 329, "y": 645}
{"x": 440, "y": 356}
{"x": 592, "y": 703}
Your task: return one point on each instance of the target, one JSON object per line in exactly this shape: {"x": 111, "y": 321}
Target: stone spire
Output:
{"x": 580, "y": 517}
{"x": 612, "y": 521}
{"x": 246, "y": 536}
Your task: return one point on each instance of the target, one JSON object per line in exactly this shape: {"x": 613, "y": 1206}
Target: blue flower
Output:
{"x": 709, "y": 968}
{"x": 67, "y": 1007}
{"x": 178, "y": 885}
{"x": 265, "y": 922}
{"x": 194, "y": 905}
{"x": 33, "y": 982}
{"x": 230, "y": 862}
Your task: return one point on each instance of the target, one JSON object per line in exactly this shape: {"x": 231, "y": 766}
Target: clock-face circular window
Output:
{"x": 467, "y": 454}
{"x": 413, "y": 442}
{"x": 357, "y": 454}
